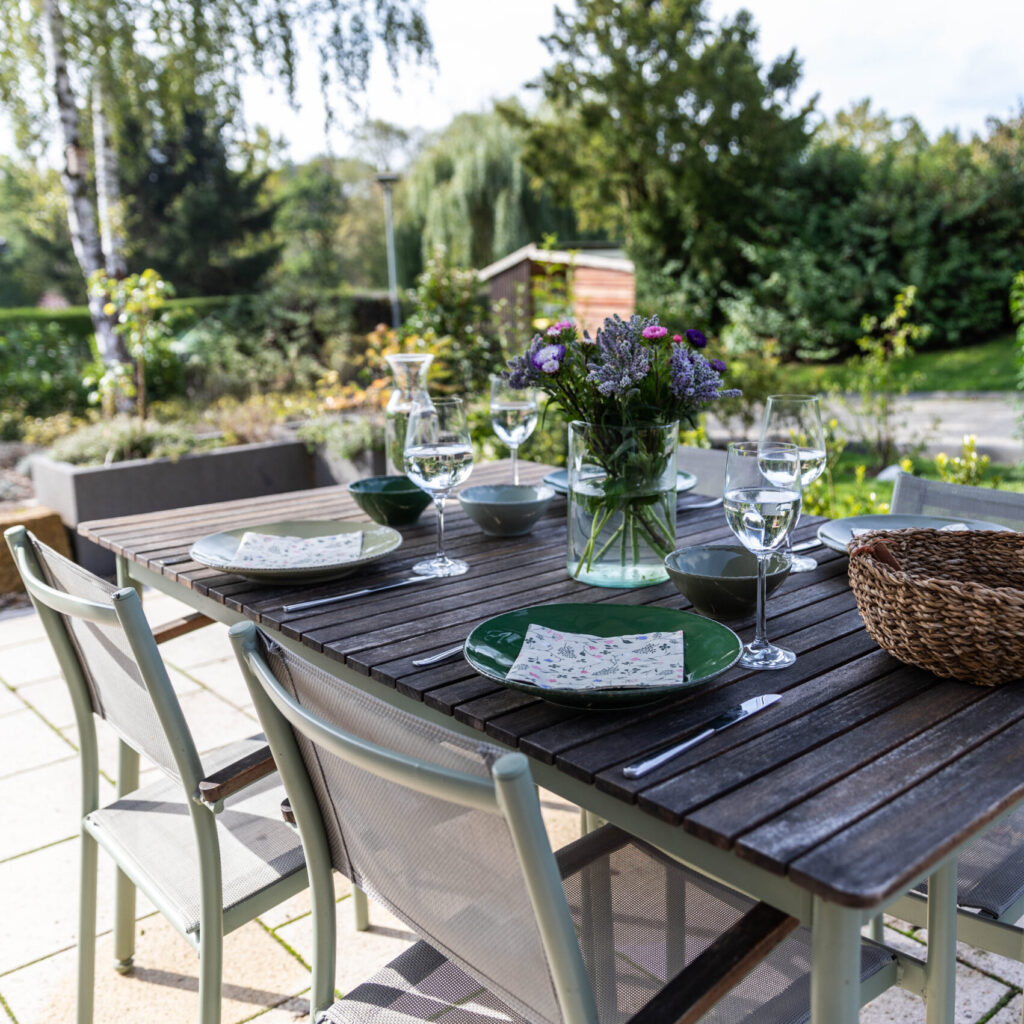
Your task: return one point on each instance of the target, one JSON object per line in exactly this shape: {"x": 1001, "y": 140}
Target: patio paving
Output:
{"x": 266, "y": 974}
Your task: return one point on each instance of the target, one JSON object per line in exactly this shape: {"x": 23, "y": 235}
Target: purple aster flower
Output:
{"x": 549, "y": 358}
{"x": 717, "y": 364}
{"x": 696, "y": 338}
{"x": 654, "y": 331}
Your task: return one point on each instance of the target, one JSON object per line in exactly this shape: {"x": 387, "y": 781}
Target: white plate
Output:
{"x": 837, "y": 533}
{"x": 218, "y": 549}
{"x": 559, "y": 480}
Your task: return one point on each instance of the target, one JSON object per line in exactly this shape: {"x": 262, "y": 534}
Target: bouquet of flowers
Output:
{"x": 627, "y": 390}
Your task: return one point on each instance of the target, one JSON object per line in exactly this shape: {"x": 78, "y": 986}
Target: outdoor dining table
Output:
{"x": 864, "y": 779}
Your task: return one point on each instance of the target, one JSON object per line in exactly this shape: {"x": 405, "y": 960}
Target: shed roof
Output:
{"x": 604, "y": 259}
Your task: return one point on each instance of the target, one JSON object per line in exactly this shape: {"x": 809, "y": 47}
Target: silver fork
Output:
{"x": 450, "y": 653}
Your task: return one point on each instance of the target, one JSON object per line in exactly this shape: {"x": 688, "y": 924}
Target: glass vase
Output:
{"x": 621, "y": 503}
{"x": 409, "y": 371}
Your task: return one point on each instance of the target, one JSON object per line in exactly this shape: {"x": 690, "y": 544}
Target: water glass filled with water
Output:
{"x": 762, "y": 503}
{"x": 796, "y": 419}
{"x": 438, "y": 456}
{"x": 513, "y": 416}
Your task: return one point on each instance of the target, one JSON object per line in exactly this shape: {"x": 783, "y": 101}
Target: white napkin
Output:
{"x": 264, "y": 551}
{"x": 552, "y": 659}
{"x": 948, "y": 528}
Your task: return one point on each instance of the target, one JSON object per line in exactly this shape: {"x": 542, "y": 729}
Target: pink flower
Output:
{"x": 654, "y": 332}
{"x": 677, "y": 338}
{"x": 562, "y": 325}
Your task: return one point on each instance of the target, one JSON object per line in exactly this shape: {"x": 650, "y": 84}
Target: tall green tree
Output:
{"x": 469, "y": 192}
{"x": 667, "y": 129}
{"x": 196, "y": 219}
{"x": 72, "y": 72}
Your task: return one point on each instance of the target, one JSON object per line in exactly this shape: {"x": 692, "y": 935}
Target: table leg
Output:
{"x": 940, "y": 970}
{"x": 835, "y": 963}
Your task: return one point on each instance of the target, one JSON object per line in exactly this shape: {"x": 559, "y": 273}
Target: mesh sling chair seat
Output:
{"x": 206, "y": 842}
{"x": 990, "y": 871}
{"x": 446, "y": 832}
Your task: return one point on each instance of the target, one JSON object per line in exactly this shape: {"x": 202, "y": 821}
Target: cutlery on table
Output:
{"x": 807, "y": 545}
{"x": 450, "y": 653}
{"x": 723, "y": 721}
{"x": 303, "y": 605}
{"x": 701, "y": 504}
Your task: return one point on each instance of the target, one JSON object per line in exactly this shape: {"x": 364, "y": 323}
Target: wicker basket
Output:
{"x": 955, "y": 606}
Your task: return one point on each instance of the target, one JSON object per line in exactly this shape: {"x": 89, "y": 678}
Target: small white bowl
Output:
{"x": 506, "y": 510}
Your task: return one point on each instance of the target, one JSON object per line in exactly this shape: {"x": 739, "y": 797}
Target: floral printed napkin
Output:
{"x": 552, "y": 659}
{"x": 264, "y": 551}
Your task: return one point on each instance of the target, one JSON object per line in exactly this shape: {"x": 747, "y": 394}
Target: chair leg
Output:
{"x": 211, "y": 965}
{"x": 876, "y": 928}
{"x": 360, "y": 909}
{"x": 86, "y": 928}
{"x": 124, "y": 890}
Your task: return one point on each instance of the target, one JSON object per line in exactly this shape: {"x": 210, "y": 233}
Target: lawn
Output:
{"x": 990, "y": 366}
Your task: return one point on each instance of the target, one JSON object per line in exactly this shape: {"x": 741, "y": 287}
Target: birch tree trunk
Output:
{"x": 108, "y": 186}
{"x": 85, "y": 238}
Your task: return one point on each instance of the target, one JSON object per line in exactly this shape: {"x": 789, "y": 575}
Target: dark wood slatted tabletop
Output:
{"x": 867, "y": 772}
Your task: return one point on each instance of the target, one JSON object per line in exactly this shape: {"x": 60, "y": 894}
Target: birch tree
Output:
{"x": 73, "y": 73}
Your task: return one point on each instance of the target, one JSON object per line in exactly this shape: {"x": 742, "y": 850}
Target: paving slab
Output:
{"x": 27, "y": 742}
{"x": 42, "y": 806}
{"x": 26, "y": 662}
{"x": 163, "y": 986}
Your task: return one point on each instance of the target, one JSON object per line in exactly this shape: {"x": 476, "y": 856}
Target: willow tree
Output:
{"x": 73, "y": 73}
{"x": 468, "y": 192}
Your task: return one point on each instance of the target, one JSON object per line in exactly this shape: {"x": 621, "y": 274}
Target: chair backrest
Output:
{"x": 914, "y": 495}
{"x": 108, "y": 655}
{"x": 443, "y": 830}
{"x": 707, "y": 464}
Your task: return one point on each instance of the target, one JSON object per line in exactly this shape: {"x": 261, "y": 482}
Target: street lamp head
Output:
{"x": 388, "y": 178}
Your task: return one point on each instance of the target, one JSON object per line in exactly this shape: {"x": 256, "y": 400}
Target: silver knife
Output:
{"x": 303, "y": 605}
{"x": 723, "y": 721}
{"x": 807, "y": 545}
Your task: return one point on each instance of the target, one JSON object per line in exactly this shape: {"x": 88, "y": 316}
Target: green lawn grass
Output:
{"x": 990, "y": 366}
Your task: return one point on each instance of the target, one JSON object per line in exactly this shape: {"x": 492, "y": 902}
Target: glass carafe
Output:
{"x": 409, "y": 370}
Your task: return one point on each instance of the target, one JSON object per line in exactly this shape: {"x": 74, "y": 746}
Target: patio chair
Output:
{"x": 446, "y": 832}
{"x": 990, "y": 872}
{"x": 707, "y": 464}
{"x": 206, "y": 843}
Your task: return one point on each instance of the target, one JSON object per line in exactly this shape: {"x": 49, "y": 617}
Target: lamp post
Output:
{"x": 387, "y": 181}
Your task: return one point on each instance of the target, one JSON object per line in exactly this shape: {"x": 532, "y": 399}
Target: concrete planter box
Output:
{"x": 81, "y": 493}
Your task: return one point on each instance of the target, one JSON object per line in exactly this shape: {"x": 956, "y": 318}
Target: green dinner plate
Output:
{"x": 837, "y": 533}
{"x": 710, "y": 647}
{"x": 218, "y": 549}
{"x": 559, "y": 480}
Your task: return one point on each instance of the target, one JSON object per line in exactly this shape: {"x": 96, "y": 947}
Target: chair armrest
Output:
{"x": 722, "y": 966}
{"x": 179, "y": 627}
{"x": 236, "y": 776}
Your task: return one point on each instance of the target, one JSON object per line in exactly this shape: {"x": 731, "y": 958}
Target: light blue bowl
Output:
{"x": 506, "y": 510}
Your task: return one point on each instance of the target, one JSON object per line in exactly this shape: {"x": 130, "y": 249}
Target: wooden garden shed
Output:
{"x": 600, "y": 282}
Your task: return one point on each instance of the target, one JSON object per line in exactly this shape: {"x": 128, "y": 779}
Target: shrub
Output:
{"x": 122, "y": 437}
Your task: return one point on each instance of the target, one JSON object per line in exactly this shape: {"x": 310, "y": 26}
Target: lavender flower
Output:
{"x": 622, "y": 361}
{"x": 719, "y": 365}
{"x": 696, "y": 338}
{"x": 695, "y": 380}
{"x": 654, "y": 332}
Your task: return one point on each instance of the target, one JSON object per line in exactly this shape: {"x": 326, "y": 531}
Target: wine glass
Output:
{"x": 438, "y": 456}
{"x": 797, "y": 420}
{"x": 513, "y": 416}
{"x": 762, "y": 502}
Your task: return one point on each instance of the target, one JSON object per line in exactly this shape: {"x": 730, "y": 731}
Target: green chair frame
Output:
{"x": 509, "y": 792}
{"x": 204, "y": 794}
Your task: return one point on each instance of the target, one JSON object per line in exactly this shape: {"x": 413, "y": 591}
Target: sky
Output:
{"x": 950, "y": 65}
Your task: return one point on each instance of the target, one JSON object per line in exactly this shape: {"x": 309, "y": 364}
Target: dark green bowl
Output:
{"x": 391, "y": 500}
{"x": 721, "y": 579}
